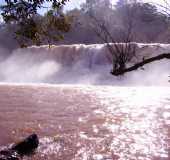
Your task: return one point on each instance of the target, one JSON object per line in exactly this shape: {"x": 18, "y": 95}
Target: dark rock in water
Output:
{"x": 9, "y": 154}
{"x": 20, "y": 149}
{"x": 27, "y": 145}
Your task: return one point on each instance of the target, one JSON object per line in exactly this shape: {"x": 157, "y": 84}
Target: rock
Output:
{"x": 9, "y": 154}
{"x": 20, "y": 149}
{"x": 26, "y": 146}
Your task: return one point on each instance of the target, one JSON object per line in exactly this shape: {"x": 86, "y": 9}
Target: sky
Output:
{"x": 76, "y": 3}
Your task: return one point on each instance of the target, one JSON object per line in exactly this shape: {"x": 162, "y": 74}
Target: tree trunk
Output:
{"x": 140, "y": 64}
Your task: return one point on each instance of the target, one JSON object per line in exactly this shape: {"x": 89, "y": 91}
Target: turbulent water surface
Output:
{"x": 85, "y": 122}
{"x": 88, "y": 122}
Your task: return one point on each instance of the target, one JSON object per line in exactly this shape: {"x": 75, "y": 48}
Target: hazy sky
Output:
{"x": 76, "y": 3}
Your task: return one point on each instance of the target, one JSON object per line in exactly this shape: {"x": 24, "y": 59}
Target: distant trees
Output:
{"x": 148, "y": 23}
{"x": 81, "y": 30}
{"x": 151, "y": 15}
{"x": 164, "y": 7}
{"x": 7, "y": 37}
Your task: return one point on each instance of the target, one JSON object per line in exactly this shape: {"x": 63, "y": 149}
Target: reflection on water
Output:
{"x": 88, "y": 122}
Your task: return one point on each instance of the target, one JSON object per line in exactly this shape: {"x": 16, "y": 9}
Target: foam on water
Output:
{"x": 80, "y": 64}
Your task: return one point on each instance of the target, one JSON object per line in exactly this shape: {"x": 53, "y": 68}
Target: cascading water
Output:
{"x": 80, "y": 64}
{"x": 77, "y": 120}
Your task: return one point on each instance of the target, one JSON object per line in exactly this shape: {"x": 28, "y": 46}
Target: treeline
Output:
{"x": 140, "y": 22}
{"x": 146, "y": 22}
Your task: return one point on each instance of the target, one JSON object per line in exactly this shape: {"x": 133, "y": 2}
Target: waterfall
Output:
{"x": 79, "y": 64}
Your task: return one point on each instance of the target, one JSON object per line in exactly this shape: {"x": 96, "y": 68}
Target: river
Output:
{"x": 83, "y": 122}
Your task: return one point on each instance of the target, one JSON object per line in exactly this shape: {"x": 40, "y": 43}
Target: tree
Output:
{"x": 30, "y": 25}
{"x": 163, "y": 7}
{"x": 45, "y": 29}
{"x": 149, "y": 25}
{"x": 19, "y": 10}
{"x": 26, "y": 33}
{"x": 148, "y": 16}
{"x": 7, "y": 37}
{"x": 90, "y": 5}
{"x": 53, "y": 27}
{"x": 138, "y": 65}
{"x": 122, "y": 52}
{"x": 148, "y": 22}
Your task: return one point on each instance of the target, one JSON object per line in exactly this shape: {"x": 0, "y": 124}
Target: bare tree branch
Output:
{"x": 121, "y": 53}
{"x": 140, "y": 64}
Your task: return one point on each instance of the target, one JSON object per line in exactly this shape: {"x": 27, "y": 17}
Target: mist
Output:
{"x": 79, "y": 64}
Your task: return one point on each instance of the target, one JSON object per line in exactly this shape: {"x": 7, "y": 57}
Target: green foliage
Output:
{"x": 52, "y": 27}
{"x": 33, "y": 28}
{"x": 42, "y": 29}
{"x": 19, "y": 10}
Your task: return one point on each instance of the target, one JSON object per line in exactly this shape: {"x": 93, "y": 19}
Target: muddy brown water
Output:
{"x": 88, "y": 122}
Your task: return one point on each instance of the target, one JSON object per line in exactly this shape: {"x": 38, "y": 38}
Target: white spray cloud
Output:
{"x": 79, "y": 64}
{"x": 20, "y": 67}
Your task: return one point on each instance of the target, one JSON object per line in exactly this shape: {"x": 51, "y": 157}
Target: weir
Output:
{"x": 80, "y": 64}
